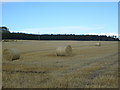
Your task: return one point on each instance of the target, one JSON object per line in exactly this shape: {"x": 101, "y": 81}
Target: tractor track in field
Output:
{"x": 21, "y": 71}
{"x": 95, "y": 73}
{"x": 55, "y": 48}
{"x": 69, "y": 70}
{"x": 37, "y": 51}
{"x": 50, "y": 49}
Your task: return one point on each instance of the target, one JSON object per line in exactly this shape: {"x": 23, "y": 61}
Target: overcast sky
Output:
{"x": 61, "y": 17}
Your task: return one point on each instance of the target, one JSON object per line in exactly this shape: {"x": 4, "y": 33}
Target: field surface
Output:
{"x": 89, "y": 66}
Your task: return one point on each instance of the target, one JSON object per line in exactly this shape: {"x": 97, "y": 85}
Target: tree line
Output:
{"x": 6, "y": 34}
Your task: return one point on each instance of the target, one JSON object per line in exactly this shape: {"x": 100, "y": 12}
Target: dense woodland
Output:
{"x": 6, "y": 34}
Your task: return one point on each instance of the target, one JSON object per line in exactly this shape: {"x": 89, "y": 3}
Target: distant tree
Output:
{"x": 4, "y": 30}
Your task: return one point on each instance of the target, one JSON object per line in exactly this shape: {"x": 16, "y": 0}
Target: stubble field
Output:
{"x": 89, "y": 66}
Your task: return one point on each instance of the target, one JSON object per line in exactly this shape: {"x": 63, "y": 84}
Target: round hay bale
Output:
{"x": 98, "y": 44}
{"x": 64, "y": 50}
{"x": 11, "y": 54}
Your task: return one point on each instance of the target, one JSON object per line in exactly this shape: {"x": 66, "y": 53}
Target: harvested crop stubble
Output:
{"x": 98, "y": 44}
{"x": 11, "y": 54}
{"x": 64, "y": 50}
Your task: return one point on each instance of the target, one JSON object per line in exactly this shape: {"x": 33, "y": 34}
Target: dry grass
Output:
{"x": 39, "y": 67}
